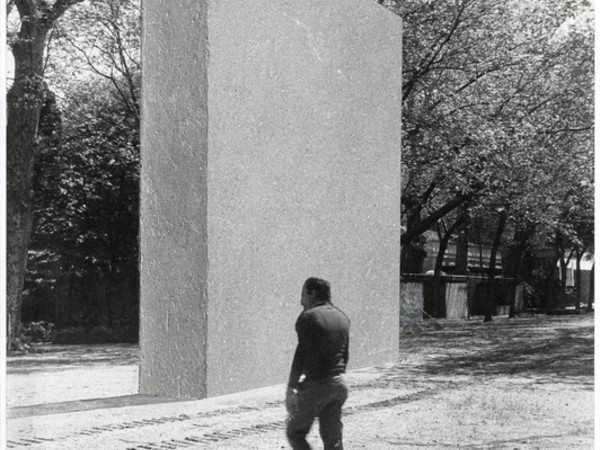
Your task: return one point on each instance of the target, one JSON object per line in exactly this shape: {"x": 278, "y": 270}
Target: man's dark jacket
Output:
{"x": 323, "y": 339}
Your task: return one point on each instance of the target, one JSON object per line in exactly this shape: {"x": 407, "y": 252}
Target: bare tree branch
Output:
{"x": 568, "y": 130}
{"x": 435, "y": 216}
{"x": 47, "y": 58}
{"x": 419, "y": 72}
{"x": 57, "y": 10}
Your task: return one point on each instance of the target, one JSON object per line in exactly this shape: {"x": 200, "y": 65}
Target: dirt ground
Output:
{"x": 525, "y": 383}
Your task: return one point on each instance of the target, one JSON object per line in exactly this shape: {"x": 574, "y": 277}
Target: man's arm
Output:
{"x": 298, "y": 364}
{"x": 346, "y": 351}
{"x": 296, "y": 370}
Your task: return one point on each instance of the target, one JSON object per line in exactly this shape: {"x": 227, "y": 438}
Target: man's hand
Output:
{"x": 291, "y": 399}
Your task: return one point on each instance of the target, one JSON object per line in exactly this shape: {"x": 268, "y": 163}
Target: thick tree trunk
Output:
{"x": 426, "y": 223}
{"x": 490, "y": 305}
{"x": 24, "y": 102}
{"x": 412, "y": 252}
{"x": 444, "y": 239}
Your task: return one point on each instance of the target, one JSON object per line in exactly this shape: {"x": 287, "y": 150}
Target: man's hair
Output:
{"x": 319, "y": 288}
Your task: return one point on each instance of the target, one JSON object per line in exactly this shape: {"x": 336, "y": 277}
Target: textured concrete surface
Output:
{"x": 270, "y": 153}
{"x": 173, "y": 227}
{"x": 303, "y": 180}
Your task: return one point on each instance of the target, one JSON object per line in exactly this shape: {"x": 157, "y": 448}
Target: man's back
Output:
{"x": 323, "y": 341}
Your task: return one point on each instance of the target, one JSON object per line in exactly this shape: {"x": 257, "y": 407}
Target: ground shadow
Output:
{"x": 88, "y": 405}
{"x": 59, "y": 357}
{"x": 539, "y": 346}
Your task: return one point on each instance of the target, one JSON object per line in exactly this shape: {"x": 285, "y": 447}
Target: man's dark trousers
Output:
{"x": 323, "y": 399}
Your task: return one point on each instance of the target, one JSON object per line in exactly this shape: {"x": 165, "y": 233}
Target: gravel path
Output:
{"x": 510, "y": 384}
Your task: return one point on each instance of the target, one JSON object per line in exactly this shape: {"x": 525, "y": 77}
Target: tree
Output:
{"x": 24, "y": 102}
{"x": 46, "y": 175}
{"x": 86, "y": 223}
{"x": 109, "y": 50}
{"x": 85, "y": 237}
{"x": 489, "y": 300}
{"x": 522, "y": 238}
{"x": 493, "y": 91}
{"x": 105, "y": 36}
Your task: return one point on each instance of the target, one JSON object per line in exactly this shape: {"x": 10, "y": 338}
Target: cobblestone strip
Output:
{"x": 206, "y": 440}
{"x": 25, "y": 442}
{"x": 215, "y": 436}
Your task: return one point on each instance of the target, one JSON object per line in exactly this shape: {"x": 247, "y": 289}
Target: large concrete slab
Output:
{"x": 270, "y": 153}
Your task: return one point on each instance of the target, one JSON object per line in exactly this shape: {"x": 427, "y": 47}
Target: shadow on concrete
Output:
{"x": 87, "y": 405}
{"x": 543, "y": 347}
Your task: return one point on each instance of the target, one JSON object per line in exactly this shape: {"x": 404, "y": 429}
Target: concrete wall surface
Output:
{"x": 174, "y": 199}
{"x": 300, "y": 177}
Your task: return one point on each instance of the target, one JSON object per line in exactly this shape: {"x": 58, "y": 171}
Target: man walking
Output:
{"x": 316, "y": 387}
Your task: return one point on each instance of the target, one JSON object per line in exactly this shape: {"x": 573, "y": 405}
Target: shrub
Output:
{"x": 96, "y": 335}
{"x": 41, "y": 331}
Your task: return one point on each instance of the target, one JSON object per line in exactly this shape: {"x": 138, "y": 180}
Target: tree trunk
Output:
{"x": 444, "y": 239}
{"x": 462, "y": 245}
{"x": 423, "y": 225}
{"x": 563, "y": 277}
{"x": 23, "y": 105}
{"x": 439, "y": 287}
{"x": 564, "y": 264}
{"x": 578, "y": 255}
{"x": 550, "y": 299}
{"x": 513, "y": 264}
{"x": 439, "y": 260}
{"x": 24, "y": 102}
{"x": 490, "y": 305}
{"x": 590, "y": 308}
{"x": 412, "y": 253}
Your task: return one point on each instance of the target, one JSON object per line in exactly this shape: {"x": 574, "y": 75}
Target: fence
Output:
{"x": 455, "y": 297}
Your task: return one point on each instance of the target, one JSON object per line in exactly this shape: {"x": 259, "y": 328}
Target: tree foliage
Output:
{"x": 497, "y": 113}
{"x": 80, "y": 74}
{"x": 35, "y": 19}
{"x": 85, "y": 237}
{"x": 109, "y": 50}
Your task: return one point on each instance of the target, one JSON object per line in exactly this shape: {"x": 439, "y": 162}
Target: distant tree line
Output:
{"x": 497, "y": 148}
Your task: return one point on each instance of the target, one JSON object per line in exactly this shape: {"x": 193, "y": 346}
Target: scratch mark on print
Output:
{"x": 309, "y": 35}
